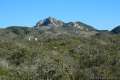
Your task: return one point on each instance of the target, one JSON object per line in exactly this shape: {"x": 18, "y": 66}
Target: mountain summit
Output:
{"x": 50, "y": 21}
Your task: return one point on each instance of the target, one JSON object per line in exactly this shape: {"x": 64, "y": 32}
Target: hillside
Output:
{"x": 116, "y": 30}
{"x": 55, "y": 50}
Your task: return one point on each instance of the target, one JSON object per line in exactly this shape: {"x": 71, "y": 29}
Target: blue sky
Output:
{"x": 102, "y": 14}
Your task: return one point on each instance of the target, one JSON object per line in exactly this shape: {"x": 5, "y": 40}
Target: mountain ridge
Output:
{"x": 50, "y": 21}
{"x": 53, "y": 27}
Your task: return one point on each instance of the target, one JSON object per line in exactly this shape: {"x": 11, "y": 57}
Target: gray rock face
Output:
{"x": 54, "y": 26}
{"x": 49, "y": 22}
{"x": 81, "y": 26}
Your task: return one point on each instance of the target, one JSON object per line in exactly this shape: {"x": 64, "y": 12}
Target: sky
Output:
{"x": 102, "y": 14}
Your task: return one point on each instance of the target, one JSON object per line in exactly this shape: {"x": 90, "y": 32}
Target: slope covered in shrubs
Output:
{"x": 69, "y": 58}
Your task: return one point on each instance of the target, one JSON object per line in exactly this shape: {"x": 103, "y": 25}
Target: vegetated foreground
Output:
{"x": 54, "y": 50}
{"x": 68, "y": 58}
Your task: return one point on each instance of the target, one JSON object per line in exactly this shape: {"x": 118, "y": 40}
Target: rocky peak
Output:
{"x": 80, "y": 25}
{"x": 50, "y": 21}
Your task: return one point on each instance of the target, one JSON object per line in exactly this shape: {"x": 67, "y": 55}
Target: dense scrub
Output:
{"x": 68, "y": 58}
